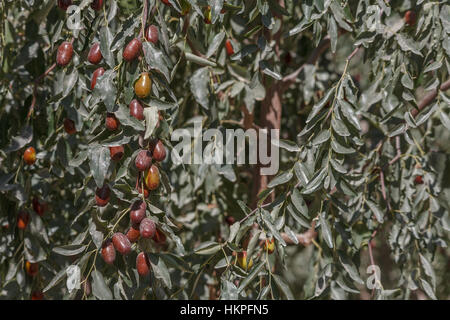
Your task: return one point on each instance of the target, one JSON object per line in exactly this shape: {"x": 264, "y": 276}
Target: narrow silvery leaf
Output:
{"x": 151, "y": 120}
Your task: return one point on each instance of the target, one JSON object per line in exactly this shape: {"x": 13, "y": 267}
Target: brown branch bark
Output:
{"x": 429, "y": 97}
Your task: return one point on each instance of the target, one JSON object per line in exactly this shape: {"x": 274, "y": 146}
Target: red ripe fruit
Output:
{"x": 133, "y": 233}
{"x": 102, "y": 195}
{"x": 31, "y": 268}
{"x": 95, "y": 55}
{"x": 147, "y": 228}
{"x": 64, "y": 4}
{"x": 29, "y": 156}
{"x": 418, "y": 180}
{"x": 111, "y": 122}
{"x": 108, "y": 252}
{"x": 142, "y": 264}
{"x": 121, "y": 243}
{"x": 38, "y": 207}
{"x": 143, "y": 160}
{"x": 137, "y": 212}
{"x": 151, "y": 34}
{"x": 230, "y": 220}
{"x": 116, "y": 153}
{"x": 69, "y": 126}
{"x": 132, "y": 50}
{"x": 64, "y": 53}
{"x": 229, "y": 47}
{"x": 166, "y": 2}
{"x": 97, "y": 4}
{"x": 37, "y": 295}
{"x": 410, "y": 18}
{"x": 158, "y": 150}
{"x": 136, "y": 109}
{"x": 97, "y": 73}
{"x": 23, "y": 218}
{"x": 152, "y": 178}
{"x": 159, "y": 237}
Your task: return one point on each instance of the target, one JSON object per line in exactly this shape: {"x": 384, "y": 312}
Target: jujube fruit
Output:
{"x": 102, "y": 195}
{"x": 152, "y": 178}
{"x": 166, "y": 2}
{"x": 116, "y": 153}
{"x": 133, "y": 233}
{"x": 269, "y": 245}
{"x": 64, "y": 4}
{"x": 147, "y": 228}
{"x": 111, "y": 122}
{"x": 410, "y": 17}
{"x": 229, "y": 47}
{"x": 97, "y": 73}
{"x": 158, "y": 150}
{"x": 23, "y": 218}
{"x": 142, "y": 264}
{"x": 143, "y": 85}
{"x": 418, "y": 180}
{"x": 38, "y": 207}
{"x": 136, "y": 109}
{"x": 108, "y": 252}
{"x": 29, "y": 156}
{"x": 121, "y": 243}
{"x": 132, "y": 50}
{"x": 230, "y": 220}
{"x": 31, "y": 268}
{"x": 64, "y": 53}
{"x": 69, "y": 126}
{"x": 207, "y": 14}
{"x": 143, "y": 160}
{"x": 37, "y": 295}
{"x": 151, "y": 34}
{"x": 243, "y": 260}
{"x": 95, "y": 55}
{"x": 137, "y": 212}
{"x": 97, "y": 4}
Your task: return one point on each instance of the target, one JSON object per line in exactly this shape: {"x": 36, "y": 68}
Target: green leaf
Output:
{"x": 251, "y": 276}
{"x": 299, "y": 203}
{"x": 151, "y": 120}
{"x": 376, "y": 211}
{"x": 99, "y": 287}
{"x": 208, "y": 248}
{"x": 280, "y": 179}
{"x": 69, "y": 250}
{"x": 160, "y": 270}
{"x": 283, "y": 286}
{"x": 350, "y": 267}
{"x": 99, "y": 159}
{"x": 326, "y": 231}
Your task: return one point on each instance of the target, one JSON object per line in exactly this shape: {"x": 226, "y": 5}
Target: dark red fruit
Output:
{"x": 132, "y": 50}
{"x": 121, "y": 243}
{"x": 97, "y": 73}
{"x": 143, "y": 160}
{"x": 64, "y": 4}
{"x": 38, "y": 207}
{"x": 37, "y": 295}
{"x": 166, "y": 2}
{"x": 229, "y": 47}
{"x": 230, "y": 220}
{"x": 69, "y": 126}
{"x": 31, "y": 269}
{"x": 95, "y": 55}
{"x": 136, "y": 109}
{"x": 137, "y": 212}
{"x": 97, "y": 4}
{"x": 151, "y": 34}
{"x": 116, "y": 153}
{"x": 102, "y": 195}
{"x": 159, "y": 237}
{"x": 111, "y": 122}
{"x": 410, "y": 17}
{"x": 142, "y": 264}
{"x": 418, "y": 180}
{"x": 147, "y": 228}
{"x": 108, "y": 252}
{"x": 64, "y": 53}
{"x": 158, "y": 150}
{"x": 133, "y": 233}
{"x": 23, "y": 218}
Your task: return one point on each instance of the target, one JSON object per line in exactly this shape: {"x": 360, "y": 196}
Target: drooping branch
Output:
{"x": 429, "y": 97}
